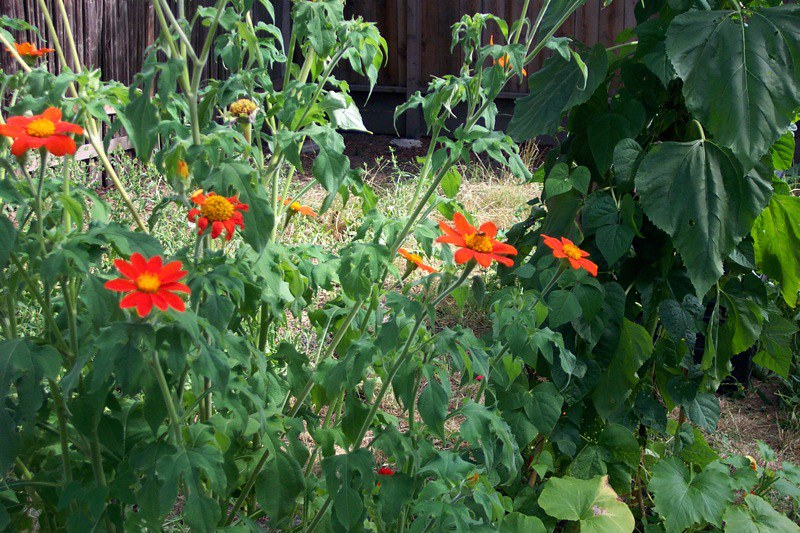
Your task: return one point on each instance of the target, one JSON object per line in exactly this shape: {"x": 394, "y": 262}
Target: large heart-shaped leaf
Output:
{"x": 555, "y": 89}
{"x": 698, "y": 193}
{"x": 741, "y": 75}
{"x": 776, "y": 238}
{"x": 591, "y": 502}
{"x": 685, "y": 501}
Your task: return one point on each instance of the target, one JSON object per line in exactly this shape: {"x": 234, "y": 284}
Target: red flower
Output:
{"x": 149, "y": 283}
{"x": 29, "y": 50}
{"x": 296, "y": 207}
{"x": 221, "y": 212}
{"x": 385, "y": 471}
{"x": 415, "y": 261}
{"x": 45, "y": 130}
{"x": 479, "y": 377}
{"x": 566, "y": 249}
{"x": 479, "y": 245}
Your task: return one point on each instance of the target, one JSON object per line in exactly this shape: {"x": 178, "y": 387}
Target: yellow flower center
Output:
{"x": 41, "y": 127}
{"x": 243, "y": 107}
{"x": 295, "y": 206}
{"x": 217, "y": 208}
{"x": 414, "y": 258}
{"x": 572, "y": 251}
{"x": 479, "y": 242}
{"x": 148, "y": 282}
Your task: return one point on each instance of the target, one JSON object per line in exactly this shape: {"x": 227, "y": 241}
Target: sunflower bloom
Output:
{"x": 149, "y": 283}
{"x": 221, "y": 212}
{"x": 29, "y": 53}
{"x": 295, "y": 207}
{"x": 478, "y": 244}
{"x": 243, "y": 108}
{"x": 415, "y": 261}
{"x": 45, "y": 130}
{"x": 504, "y": 61}
{"x": 566, "y": 249}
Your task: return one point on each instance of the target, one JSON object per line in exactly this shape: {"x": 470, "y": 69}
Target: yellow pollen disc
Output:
{"x": 41, "y": 127}
{"x": 295, "y": 206}
{"x": 243, "y": 107}
{"x": 414, "y": 258}
{"x": 479, "y": 243}
{"x": 572, "y": 251}
{"x": 217, "y": 208}
{"x": 148, "y": 282}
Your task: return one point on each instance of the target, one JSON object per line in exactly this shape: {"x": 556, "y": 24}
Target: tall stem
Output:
{"x": 172, "y": 412}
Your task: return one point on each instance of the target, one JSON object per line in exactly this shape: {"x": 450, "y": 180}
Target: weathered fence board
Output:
{"x": 112, "y": 35}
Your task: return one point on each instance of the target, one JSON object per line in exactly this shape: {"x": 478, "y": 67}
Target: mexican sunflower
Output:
{"x": 45, "y": 130}
{"x": 415, "y": 261}
{"x": 29, "y": 52}
{"x": 566, "y": 249}
{"x": 478, "y": 244}
{"x": 297, "y": 208}
{"x": 219, "y": 211}
{"x": 503, "y": 61}
{"x": 385, "y": 471}
{"x": 149, "y": 282}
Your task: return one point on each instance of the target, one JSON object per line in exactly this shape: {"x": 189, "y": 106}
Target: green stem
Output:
{"x": 61, "y": 415}
{"x": 172, "y": 412}
{"x": 72, "y": 317}
{"x": 248, "y": 486}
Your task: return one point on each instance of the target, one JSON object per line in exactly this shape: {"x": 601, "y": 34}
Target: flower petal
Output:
{"x": 139, "y": 262}
{"x": 552, "y": 243}
{"x": 68, "y": 127}
{"x": 154, "y": 264}
{"x": 507, "y": 261}
{"x": 176, "y": 287}
{"x": 59, "y": 145}
{"x": 159, "y": 301}
{"x": 21, "y": 145}
{"x": 590, "y": 267}
{"x": 216, "y": 229}
{"x": 489, "y": 228}
{"x": 120, "y": 285}
{"x": 447, "y": 229}
{"x": 456, "y": 239}
{"x": 127, "y": 269}
{"x": 503, "y": 248}
{"x": 52, "y": 114}
{"x": 484, "y": 259}
{"x": 463, "y": 255}
{"x": 173, "y": 300}
{"x": 462, "y": 226}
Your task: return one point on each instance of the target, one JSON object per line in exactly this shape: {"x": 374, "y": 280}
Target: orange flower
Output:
{"x": 182, "y": 169}
{"x": 479, "y": 244}
{"x": 415, "y": 261}
{"x": 149, "y": 283}
{"x": 29, "y": 50}
{"x": 566, "y": 249}
{"x": 45, "y": 130}
{"x": 297, "y": 208}
{"x": 503, "y": 61}
{"x": 219, "y": 211}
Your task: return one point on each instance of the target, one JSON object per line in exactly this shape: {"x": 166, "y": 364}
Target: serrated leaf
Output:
{"x": 698, "y": 194}
{"x": 592, "y": 503}
{"x": 776, "y": 242}
{"x": 740, "y": 74}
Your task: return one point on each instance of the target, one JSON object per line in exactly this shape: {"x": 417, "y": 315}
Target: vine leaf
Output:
{"x": 698, "y": 194}
{"x": 591, "y": 502}
{"x": 741, "y": 76}
{"x": 685, "y": 501}
{"x": 776, "y": 241}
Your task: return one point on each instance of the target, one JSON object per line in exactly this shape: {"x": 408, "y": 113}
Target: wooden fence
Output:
{"x": 113, "y": 35}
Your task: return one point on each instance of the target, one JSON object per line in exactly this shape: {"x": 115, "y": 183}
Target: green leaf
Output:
{"x": 617, "y": 382}
{"x": 433, "y": 406}
{"x": 614, "y": 241}
{"x": 278, "y": 485}
{"x": 604, "y": 133}
{"x": 740, "y": 74}
{"x": 627, "y": 156}
{"x": 783, "y": 151}
{"x": 776, "y": 238}
{"x": 331, "y": 166}
{"x": 592, "y": 503}
{"x": 140, "y": 118}
{"x": 259, "y": 218}
{"x": 561, "y": 180}
{"x": 360, "y": 266}
{"x": 564, "y": 307}
{"x": 23, "y": 366}
{"x": 348, "y": 508}
{"x": 544, "y": 407}
{"x": 451, "y": 182}
{"x": 685, "y": 501}
{"x": 519, "y": 523}
{"x": 8, "y": 240}
{"x": 554, "y": 89}
{"x": 757, "y": 517}
{"x": 698, "y": 194}
{"x": 776, "y": 345}
{"x": 743, "y": 323}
